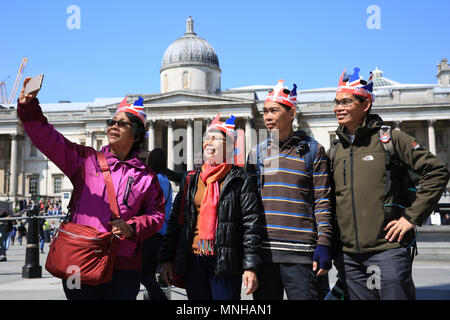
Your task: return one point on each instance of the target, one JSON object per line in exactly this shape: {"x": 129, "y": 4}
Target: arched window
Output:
{"x": 185, "y": 80}
{"x": 166, "y": 83}
{"x": 208, "y": 81}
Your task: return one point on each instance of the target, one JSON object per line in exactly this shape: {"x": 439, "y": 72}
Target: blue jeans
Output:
{"x": 201, "y": 284}
{"x": 124, "y": 285}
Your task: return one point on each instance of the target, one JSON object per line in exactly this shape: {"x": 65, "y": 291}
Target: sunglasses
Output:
{"x": 120, "y": 123}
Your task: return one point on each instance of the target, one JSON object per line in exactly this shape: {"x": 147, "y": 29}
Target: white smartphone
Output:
{"x": 34, "y": 84}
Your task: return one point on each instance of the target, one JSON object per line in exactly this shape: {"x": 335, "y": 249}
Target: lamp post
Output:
{"x": 32, "y": 269}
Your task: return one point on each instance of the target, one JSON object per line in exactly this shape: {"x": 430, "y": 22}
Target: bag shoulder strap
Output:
{"x": 109, "y": 185}
{"x": 308, "y": 146}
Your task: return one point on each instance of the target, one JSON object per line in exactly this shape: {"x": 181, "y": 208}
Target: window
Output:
{"x": 99, "y": 144}
{"x": 166, "y": 83}
{"x": 57, "y": 183}
{"x": 439, "y": 134}
{"x": 33, "y": 185}
{"x": 185, "y": 80}
{"x": 332, "y": 137}
{"x": 208, "y": 82}
{"x": 33, "y": 150}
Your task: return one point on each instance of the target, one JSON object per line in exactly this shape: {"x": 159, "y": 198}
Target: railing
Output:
{"x": 32, "y": 269}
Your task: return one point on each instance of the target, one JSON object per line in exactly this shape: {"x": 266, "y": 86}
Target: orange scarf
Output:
{"x": 207, "y": 218}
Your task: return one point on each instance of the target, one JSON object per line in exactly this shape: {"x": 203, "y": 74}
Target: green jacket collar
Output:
{"x": 371, "y": 123}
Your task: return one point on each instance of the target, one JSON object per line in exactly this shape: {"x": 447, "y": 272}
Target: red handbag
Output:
{"x": 78, "y": 248}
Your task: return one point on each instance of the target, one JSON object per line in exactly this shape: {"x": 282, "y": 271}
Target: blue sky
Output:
{"x": 120, "y": 44}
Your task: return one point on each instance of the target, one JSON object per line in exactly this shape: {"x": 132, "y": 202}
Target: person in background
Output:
{"x": 156, "y": 160}
{"x": 13, "y": 233}
{"x": 22, "y": 232}
{"x": 5, "y": 227}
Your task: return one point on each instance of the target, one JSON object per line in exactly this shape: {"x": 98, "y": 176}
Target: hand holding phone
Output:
{"x": 30, "y": 88}
{"x": 35, "y": 84}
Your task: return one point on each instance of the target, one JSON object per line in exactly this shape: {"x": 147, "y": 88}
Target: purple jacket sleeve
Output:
{"x": 65, "y": 154}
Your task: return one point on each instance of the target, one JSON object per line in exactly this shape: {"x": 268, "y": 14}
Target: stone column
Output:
{"x": 22, "y": 167}
{"x": 248, "y": 135}
{"x": 89, "y": 135}
{"x": 431, "y": 137}
{"x": 13, "y": 167}
{"x": 151, "y": 135}
{"x": 190, "y": 144}
{"x": 170, "y": 163}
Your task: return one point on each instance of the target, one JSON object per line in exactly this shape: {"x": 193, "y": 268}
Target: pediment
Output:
{"x": 190, "y": 98}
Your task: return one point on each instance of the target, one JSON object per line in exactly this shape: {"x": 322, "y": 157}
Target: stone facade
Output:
{"x": 178, "y": 116}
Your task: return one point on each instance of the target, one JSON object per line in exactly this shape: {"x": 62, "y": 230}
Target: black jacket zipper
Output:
{"x": 353, "y": 198}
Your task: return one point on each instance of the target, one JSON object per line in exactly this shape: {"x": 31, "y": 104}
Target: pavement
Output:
{"x": 432, "y": 279}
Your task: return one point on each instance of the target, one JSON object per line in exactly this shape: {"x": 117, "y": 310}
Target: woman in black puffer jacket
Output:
{"x": 217, "y": 246}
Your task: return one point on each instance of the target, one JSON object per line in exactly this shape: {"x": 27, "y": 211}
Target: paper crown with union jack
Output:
{"x": 137, "y": 108}
{"x": 356, "y": 85}
{"x": 283, "y": 95}
{"x": 226, "y": 127}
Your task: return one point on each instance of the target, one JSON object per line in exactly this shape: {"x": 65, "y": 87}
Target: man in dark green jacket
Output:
{"x": 375, "y": 221}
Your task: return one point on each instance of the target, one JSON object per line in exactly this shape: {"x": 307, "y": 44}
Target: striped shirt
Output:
{"x": 297, "y": 205}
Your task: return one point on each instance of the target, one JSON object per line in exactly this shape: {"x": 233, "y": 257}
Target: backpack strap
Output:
{"x": 310, "y": 156}
{"x": 308, "y": 147}
{"x": 333, "y": 149}
{"x": 390, "y": 158}
{"x": 260, "y": 154}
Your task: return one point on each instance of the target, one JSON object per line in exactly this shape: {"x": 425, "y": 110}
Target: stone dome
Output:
{"x": 380, "y": 81}
{"x": 190, "y": 50}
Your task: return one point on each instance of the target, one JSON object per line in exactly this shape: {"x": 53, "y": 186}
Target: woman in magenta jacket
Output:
{"x": 139, "y": 196}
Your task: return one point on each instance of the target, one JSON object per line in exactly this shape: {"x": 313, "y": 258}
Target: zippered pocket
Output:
{"x": 78, "y": 235}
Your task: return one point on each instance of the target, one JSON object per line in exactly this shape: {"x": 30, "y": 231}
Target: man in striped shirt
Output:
{"x": 291, "y": 173}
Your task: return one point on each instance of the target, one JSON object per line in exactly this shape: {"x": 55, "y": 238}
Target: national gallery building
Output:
{"x": 190, "y": 97}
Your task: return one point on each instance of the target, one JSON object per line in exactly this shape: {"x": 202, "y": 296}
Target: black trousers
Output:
{"x": 150, "y": 252}
{"x": 298, "y": 280}
{"x": 124, "y": 285}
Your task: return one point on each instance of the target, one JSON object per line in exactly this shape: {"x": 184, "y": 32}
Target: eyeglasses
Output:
{"x": 120, "y": 123}
{"x": 344, "y": 102}
{"x": 212, "y": 138}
